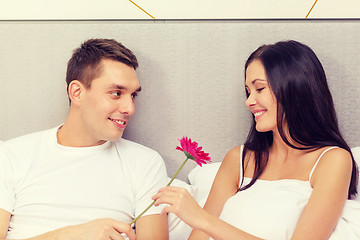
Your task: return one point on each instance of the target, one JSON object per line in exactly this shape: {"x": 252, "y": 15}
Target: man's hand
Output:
{"x": 100, "y": 229}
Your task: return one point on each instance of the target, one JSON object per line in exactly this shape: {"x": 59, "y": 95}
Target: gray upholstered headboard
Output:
{"x": 191, "y": 73}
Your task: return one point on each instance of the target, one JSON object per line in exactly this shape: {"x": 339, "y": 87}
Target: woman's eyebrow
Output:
{"x": 258, "y": 79}
{"x": 255, "y": 80}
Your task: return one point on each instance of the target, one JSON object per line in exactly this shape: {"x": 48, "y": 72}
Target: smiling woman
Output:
{"x": 294, "y": 160}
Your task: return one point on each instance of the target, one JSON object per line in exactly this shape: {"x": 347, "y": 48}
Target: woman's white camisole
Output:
{"x": 271, "y": 209}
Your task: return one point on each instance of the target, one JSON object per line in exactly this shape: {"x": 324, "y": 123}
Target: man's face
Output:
{"x": 108, "y": 105}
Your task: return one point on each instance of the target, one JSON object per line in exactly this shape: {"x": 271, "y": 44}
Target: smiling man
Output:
{"x": 81, "y": 180}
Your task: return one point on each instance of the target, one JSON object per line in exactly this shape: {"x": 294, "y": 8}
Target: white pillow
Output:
{"x": 202, "y": 178}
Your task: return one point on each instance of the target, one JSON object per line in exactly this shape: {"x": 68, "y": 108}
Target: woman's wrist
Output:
{"x": 206, "y": 222}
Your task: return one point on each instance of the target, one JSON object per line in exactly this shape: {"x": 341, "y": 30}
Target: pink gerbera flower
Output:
{"x": 192, "y": 151}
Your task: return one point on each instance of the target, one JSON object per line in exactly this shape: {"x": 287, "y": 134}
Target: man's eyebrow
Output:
{"x": 120, "y": 87}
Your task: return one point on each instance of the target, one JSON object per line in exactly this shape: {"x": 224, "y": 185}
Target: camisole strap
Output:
{"x": 317, "y": 161}
{"x": 241, "y": 164}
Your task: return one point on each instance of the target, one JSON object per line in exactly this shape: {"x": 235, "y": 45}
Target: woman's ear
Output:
{"x": 75, "y": 91}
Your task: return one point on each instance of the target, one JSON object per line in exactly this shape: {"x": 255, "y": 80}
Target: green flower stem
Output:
{"x": 172, "y": 179}
{"x": 177, "y": 172}
{"x": 135, "y": 219}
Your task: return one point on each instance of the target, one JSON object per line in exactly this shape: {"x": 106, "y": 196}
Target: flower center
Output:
{"x": 188, "y": 155}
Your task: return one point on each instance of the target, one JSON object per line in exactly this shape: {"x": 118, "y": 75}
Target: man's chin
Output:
{"x": 114, "y": 137}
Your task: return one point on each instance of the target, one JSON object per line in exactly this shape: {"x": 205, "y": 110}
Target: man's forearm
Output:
{"x": 106, "y": 228}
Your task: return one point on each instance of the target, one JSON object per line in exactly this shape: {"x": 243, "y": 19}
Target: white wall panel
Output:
{"x": 191, "y": 73}
{"x": 177, "y": 9}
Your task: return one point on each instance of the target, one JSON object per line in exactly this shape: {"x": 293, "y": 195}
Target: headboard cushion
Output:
{"x": 191, "y": 73}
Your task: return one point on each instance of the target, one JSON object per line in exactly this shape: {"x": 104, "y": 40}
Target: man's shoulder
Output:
{"x": 21, "y": 151}
{"x": 29, "y": 137}
{"x": 128, "y": 145}
{"x": 133, "y": 150}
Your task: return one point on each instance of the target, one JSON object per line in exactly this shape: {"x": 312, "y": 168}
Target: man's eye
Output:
{"x": 134, "y": 95}
{"x": 116, "y": 94}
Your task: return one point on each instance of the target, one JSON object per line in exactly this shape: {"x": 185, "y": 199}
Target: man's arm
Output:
{"x": 98, "y": 229}
{"x": 153, "y": 226}
{"x": 4, "y": 223}
{"x": 151, "y": 177}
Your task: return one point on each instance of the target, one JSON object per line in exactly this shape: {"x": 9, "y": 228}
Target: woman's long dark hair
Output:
{"x": 304, "y": 103}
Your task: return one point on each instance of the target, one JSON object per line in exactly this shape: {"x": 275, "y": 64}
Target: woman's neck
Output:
{"x": 281, "y": 149}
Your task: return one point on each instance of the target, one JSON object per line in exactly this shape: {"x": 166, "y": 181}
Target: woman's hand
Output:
{"x": 180, "y": 203}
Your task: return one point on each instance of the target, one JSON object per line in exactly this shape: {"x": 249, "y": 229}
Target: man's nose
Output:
{"x": 127, "y": 106}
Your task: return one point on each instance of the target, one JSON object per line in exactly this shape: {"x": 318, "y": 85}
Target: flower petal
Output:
{"x": 193, "y": 151}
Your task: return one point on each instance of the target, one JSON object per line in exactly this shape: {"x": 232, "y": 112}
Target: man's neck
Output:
{"x": 71, "y": 135}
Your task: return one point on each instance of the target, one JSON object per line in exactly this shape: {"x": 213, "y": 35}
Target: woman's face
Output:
{"x": 261, "y": 101}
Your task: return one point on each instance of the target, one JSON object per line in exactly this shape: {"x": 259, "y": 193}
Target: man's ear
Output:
{"x": 75, "y": 91}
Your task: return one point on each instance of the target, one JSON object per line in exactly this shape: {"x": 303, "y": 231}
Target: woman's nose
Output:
{"x": 250, "y": 101}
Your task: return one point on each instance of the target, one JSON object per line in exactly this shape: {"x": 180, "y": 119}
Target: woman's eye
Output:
{"x": 134, "y": 95}
{"x": 259, "y": 89}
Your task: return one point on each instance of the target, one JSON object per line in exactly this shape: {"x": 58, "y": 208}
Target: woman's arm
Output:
{"x": 152, "y": 227}
{"x": 330, "y": 182}
{"x": 206, "y": 221}
{"x": 226, "y": 184}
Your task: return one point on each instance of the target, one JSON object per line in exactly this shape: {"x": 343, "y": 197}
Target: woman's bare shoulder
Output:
{"x": 335, "y": 163}
{"x": 231, "y": 159}
{"x": 233, "y": 153}
{"x": 335, "y": 158}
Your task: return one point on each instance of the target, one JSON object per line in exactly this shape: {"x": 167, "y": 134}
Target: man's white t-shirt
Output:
{"x": 46, "y": 186}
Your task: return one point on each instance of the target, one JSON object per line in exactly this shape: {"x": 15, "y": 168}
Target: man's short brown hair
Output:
{"x": 84, "y": 65}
